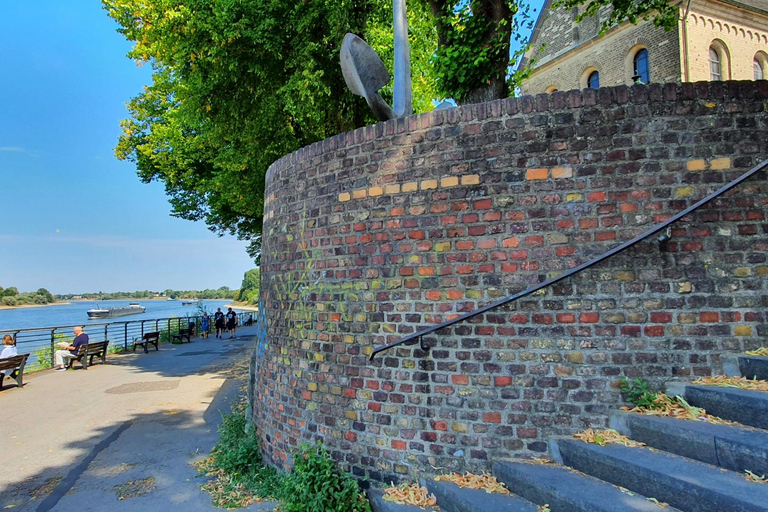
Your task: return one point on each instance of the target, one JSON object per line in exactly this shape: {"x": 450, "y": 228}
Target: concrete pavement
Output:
{"x": 83, "y": 439}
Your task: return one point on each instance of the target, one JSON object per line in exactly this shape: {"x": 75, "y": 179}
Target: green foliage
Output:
{"x": 316, "y": 485}
{"x": 12, "y": 297}
{"x": 237, "y": 454}
{"x": 249, "y": 289}
{"x": 237, "y": 450}
{"x": 237, "y": 84}
{"x": 43, "y": 359}
{"x": 663, "y": 13}
{"x": 638, "y": 393}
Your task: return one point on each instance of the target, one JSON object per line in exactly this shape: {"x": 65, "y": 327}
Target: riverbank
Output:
{"x": 243, "y": 306}
{"x": 21, "y": 306}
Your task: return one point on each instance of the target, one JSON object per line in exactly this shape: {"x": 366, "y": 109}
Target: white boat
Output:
{"x": 134, "y": 308}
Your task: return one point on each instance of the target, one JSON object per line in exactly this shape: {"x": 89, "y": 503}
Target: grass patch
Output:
{"x": 238, "y": 478}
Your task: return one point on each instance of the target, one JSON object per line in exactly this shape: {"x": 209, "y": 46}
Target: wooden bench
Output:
{"x": 185, "y": 333}
{"x": 87, "y": 352}
{"x": 15, "y": 363}
{"x": 149, "y": 338}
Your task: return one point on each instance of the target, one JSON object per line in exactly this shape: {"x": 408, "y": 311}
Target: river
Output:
{"x": 75, "y": 313}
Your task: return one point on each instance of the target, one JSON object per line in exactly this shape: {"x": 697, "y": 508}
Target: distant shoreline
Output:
{"x": 62, "y": 303}
{"x": 244, "y": 307}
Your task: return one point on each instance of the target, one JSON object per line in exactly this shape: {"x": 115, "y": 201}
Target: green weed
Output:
{"x": 638, "y": 393}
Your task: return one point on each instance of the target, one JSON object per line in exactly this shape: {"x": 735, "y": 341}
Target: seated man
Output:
{"x": 69, "y": 350}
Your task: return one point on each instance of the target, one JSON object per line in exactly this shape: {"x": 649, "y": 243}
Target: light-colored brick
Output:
{"x": 537, "y": 174}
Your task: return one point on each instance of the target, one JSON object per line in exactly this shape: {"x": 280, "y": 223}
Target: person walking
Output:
{"x": 218, "y": 322}
{"x": 231, "y": 322}
{"x": 205, "y": 324}
{"x": 69, "y": 350}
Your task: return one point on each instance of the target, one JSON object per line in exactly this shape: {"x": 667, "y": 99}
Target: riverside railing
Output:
{"x": 41, "y": 342}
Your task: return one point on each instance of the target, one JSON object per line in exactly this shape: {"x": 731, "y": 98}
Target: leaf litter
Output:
{"x": 485, "y": 482}
{"x": 604, "y": 437}
{"x": 410, "y": 494}
{"x": 677, "y": 407}
{"x": 733, "y": 382}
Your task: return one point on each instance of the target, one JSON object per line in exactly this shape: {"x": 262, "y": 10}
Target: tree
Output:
{"x": 236, "y": 85}
{"x": 249, "y": 289}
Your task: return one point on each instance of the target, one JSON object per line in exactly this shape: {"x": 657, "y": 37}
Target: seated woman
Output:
{"x": 9, "y": 350}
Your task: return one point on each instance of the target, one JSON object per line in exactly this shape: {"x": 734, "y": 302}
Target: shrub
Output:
{"x": 316, "y": 485}
{"x": 638, "y": 393}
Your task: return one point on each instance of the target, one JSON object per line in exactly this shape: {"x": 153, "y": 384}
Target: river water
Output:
{"x": 75, "y": 313}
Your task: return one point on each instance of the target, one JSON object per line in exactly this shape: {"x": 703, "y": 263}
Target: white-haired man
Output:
{"x": 69, "y": 351}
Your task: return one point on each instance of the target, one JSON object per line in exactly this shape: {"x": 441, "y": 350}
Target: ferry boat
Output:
{"x": 134, "y": 308}
{"x": 189, "y": 302}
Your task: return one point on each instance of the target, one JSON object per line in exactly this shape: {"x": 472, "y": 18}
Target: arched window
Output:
{"x": 640, "y": 67}
{"x": 593, "y": 82}
{"x": 715, "y": 68}
{"x": 760, "y": 65}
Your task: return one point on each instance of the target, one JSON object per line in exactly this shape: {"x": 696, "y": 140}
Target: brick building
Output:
{"x": 714, "y": 40}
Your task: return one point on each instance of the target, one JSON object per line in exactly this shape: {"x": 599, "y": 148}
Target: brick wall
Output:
{"x": 374, "y": 233}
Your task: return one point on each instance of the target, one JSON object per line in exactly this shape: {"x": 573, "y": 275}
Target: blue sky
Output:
{"x": 73, "y": 218}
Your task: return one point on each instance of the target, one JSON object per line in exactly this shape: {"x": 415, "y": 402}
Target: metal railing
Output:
{"x": 418, "y": 336}
{"x": 41, "y": 342}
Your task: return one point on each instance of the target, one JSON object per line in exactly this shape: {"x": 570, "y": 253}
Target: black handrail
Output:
{"x": 412, "y": 338}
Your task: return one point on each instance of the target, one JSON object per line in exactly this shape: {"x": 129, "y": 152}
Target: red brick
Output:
{"x": 502, "y": 381}
{"x": 565, "y": 318}
{"x": 399, "y": 445}
{"x": 709, "y": 316}
{"x": 602, "y": 236}
{"x": 374, "y": 406}
{"x": 594, "y": 197}
{"x": 654, "y": 330}
{"x": 661, "y": 317}
{"x": 492, "y": 417}
{"x": 460, "y": 380}
{"x": 482, "y": 204}
{"x": 589, "y": 318}
{"x": 350, "y": 436}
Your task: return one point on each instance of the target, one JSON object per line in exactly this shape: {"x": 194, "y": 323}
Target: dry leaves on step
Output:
{"x": 678, "y": 408}
{"x": 485, "y": 482}
{"x": 733, "y": 382}
{"x": 754, "y": 478}
{"x": 410, "y": 494}
{"x": 603, "y": 437}
{"x": 762, "y": 351}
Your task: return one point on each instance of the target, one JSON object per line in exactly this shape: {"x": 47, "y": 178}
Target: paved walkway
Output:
{"x": 78, "y": 440}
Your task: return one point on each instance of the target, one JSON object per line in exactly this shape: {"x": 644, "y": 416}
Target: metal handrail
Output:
{"x": 418, "y": 336}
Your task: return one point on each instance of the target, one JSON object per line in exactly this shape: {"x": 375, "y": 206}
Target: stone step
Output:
{"x": 566, "y": 490}
{"x": 742, "y": 365}
{"x": 729, "y": 446}
{"x": 740, "y": 405}
{"x": 379, "y": 504}
{"x": 689, "y": 485}
{"x": 452, "y": 498}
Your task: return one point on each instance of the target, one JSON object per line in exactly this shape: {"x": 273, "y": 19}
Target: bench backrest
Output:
{"x": 92, "y": 348}
{"x": 150, "y": 336}
{"x": 11, "y": 363}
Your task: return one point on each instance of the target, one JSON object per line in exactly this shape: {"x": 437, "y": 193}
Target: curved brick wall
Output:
{"x": 373, "y": 233}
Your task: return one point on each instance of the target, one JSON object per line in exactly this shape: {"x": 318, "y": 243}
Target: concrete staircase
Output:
{"x": 694, "y": 466}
